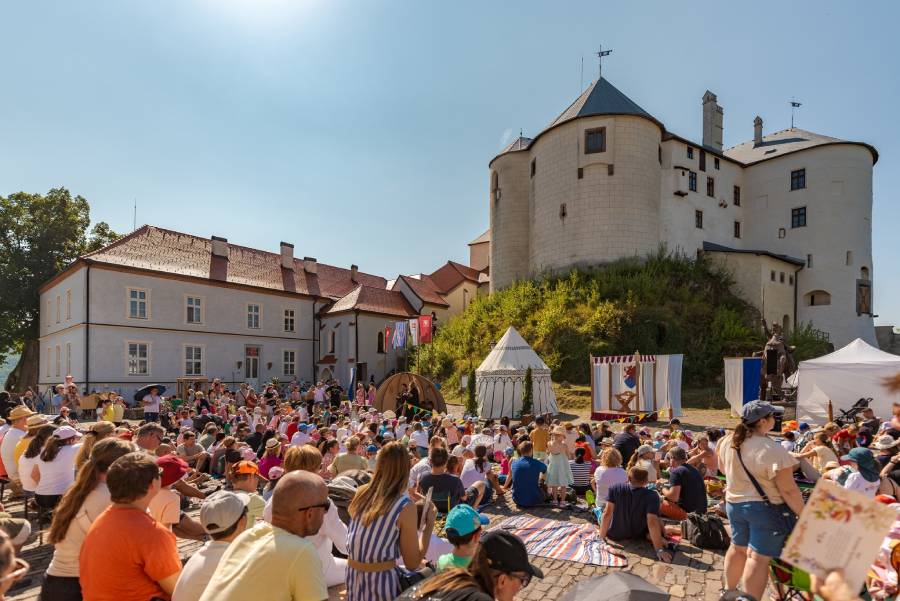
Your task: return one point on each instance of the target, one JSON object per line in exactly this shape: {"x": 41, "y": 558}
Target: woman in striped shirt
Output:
{"x": 581, "y": 471}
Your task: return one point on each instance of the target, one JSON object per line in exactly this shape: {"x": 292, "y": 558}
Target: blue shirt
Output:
{"x": 693, "y": 490}
{"x": 632, "y": 505}
{"x": 526, "y": 472}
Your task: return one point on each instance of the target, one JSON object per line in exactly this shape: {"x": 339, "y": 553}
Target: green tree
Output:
{"x": 527, "y": 393}
{"x": 40, "y": 234}
{"x": 471, "y": 404}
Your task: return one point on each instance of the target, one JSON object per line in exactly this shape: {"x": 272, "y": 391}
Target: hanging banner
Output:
{"x": 414, "y": 332}
{"x": 424, "y": 329}
{"x": 400, "y": 334}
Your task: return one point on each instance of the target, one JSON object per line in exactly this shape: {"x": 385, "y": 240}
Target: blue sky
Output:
{"x": 361, "y": 131}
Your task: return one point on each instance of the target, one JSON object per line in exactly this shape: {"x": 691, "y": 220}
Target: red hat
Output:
{"x": 173, "y": 469}
{"x": 126, "y": 435}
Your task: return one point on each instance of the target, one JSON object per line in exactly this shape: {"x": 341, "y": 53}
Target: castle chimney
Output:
{"x": 353, "y": 271}
{"x": 287, "y": 255}
{"x": 309, "y": 264}
{"x": 712, "y": 122}
{"x": 220, "y": 247}
{"x": 757, "y": 131}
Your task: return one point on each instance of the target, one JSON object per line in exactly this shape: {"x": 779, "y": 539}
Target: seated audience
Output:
{"x": 632, "y": 512}
{"x": 524, "y": 477}
{"x": 463, "y": 529}
{"x": 685, "y": 492}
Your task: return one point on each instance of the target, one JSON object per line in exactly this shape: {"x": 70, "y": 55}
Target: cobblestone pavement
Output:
{"x": 695, "y": 573}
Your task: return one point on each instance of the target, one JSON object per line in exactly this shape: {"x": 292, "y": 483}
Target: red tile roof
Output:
{"x": 451, "y": 275}
{"x": 165, "y": 251}
{"x": 425, "y": 288}
{"x": 374, "y": 300}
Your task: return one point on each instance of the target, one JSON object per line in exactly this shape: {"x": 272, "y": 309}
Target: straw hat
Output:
{"x": 885, "y": 441}
{"x": 36, "y": 421}
{"x": 389, "y": 414}
{"x": 559, "y": 431}
{"x": 20, "y": 411}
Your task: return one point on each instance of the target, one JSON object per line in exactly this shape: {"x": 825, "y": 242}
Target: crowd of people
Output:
{"x": 300, "y": 490}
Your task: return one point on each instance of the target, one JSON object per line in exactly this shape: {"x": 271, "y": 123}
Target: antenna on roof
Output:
{"x": 794, "y": 106}
{"x": 134, "y": 221}
{"x": 581, "y": 81}
{"x": 600, "y": 54}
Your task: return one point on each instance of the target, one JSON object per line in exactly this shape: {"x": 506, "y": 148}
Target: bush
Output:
{"x": 471, "y": 403}
{"x": 527, "y": 394}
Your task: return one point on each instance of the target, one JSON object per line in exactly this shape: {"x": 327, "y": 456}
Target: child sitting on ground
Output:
{"x": 464, "y": 533}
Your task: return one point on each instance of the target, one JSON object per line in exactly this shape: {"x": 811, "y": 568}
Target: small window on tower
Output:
{"x": 562, "y": 211}
{"x": 580, "y": 173}
{"x": 690, "y": 152}
{"x": 849, "y": 260}
{"x": 737, "y": 196}
{"x": 710, "y": 187}
{"x": 772, "y": 275}
{"x": 610, "y": 169}
{"x": 698, "y": 219}
{"x": 798, "y": 179}
{"x": 781, "y": 277}
{"x": 737, "y": 229}
{"x": 533, "y": 167}
{"x": 595, "y": 140}
{"x": 716, "y": 163}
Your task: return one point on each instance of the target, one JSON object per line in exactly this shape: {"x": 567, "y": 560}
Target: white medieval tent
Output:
{"x": 856, "y": 371}
{"x": 500, "y": 379}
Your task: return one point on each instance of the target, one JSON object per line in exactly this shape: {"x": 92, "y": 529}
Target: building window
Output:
{"x": 49, "y": 361}
{"x": 289, "y": 364}
{"x": 798, "y": 217}
{"x": 698, "y": 219}
{"x": 790, "y": 280}
{"x": 710, "y": 187}
{"x": 253, "y": 317}
{"x": 193, "y": 360}
{"x": 68, "y": 358}
{"x": 562, "y": 210}
{"x": 737, "y": 229}
{"x": 692, "y": 181}
{"x": 863, "y": 298}
{"x": 772, "y": 275}
{"x": 864, "y": 273}
{"x": 781, "y": 277}
{"x": 808, "y": 261}
{"x": 137, "y": 303}
{"x": 595, "y": 140}
{"x": 380, "y": 347}
{"x": 58, "y": 309}
{"x": 782, "y": 232}
{"x": 533, "y": 167}
{"x": 580, "y": 173}
{"x": 288, "y": 320}
{"x": 138, "y": 359}
{"x": 702, "y": 160}
{"x": 495, "y": 186}
{"x": 58, "y": 359}
{"x": 194, "y": 310}
{"x": 68, "y": 304}
{"x": 659, "y": 154}
{"x": 849, "y": 259}
{"x": 798, "y": 179}
{"x": 817, "y": 298}
{"x": 716, "y": 162}
{"x": 49, "y": 308}
{"x": 690, "y": 151}
{"x": 610, "y": 169}
{"x": 737, "y": 196}
{"x": 331, "y": 343}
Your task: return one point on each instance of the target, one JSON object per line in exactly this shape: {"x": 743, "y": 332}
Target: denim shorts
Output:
{"x": 752, "y": 525}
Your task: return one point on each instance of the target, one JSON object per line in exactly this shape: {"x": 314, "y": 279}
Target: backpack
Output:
{"x": 705, "y": 531}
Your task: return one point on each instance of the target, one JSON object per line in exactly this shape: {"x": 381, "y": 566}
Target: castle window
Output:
{"x": 849, "y": 259}
{"x": 737, "y": 229}
{"x": 698, "y": 219}
{"x": 772, "y": 275}
{"x": 595, "y": 140}
{"x": 690, "y": 152}
{"x": 380, "y": 343}
{"x": 580, "y": 173}
{"x": 798, "y": 217}
{"x": 610, "y": 169}
{"x": 737, "y": 196}
{"x": 809, "y": 261}
{"x": 817, "y": 298}
{"x": 790, "y": 280}
{"x": 781, "y": 277}
{"x": 716, "y": 162}
{"x": 692, "y": 181}
{"x": 782, "y": 232}
{"x": 798, "y": 179}
{"x": 562, "y": 211}
{"x": 659, "y": 154}
{"x": 533, "y": 167}
{"x": 495, "y": 186}
{"x": 710, "y": 187}
{"x": 863, "y": 298}
{"x": 702, "y": 160}
{"x": 864, "y": 273}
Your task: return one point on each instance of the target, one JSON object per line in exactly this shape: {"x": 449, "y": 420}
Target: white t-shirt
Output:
{"x": 165, "y": 507}
{"x": 856, "y": 482}
{"x": 763, "y": 457}
{"x": 470, "y": 474}
{"x": 606, "y": 477}
{"x": 152, "y": 405}
{"x": 10, "y": 440}
{"x": 65, "y": 555}
{"x": 419, "y": 438}
{"x": 198, "y": 570}
{"x": 26, "y": 464}
{"x": 419, "y": 471}
{"x": 647, "y": 465}
{"x": 59, "y": 474}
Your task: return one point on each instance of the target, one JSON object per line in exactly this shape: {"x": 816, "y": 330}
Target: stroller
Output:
{"x": 848, "y": 416}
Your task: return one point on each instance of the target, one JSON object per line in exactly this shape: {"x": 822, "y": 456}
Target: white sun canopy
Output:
{"x": 856, "y": 371}
{"x": 500, "y": 379}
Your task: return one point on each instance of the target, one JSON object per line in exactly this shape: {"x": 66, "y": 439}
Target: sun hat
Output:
{"x": 885, "y": 441}
{"x": 272, "y": 443}
{"x": 506, "y": 552}
{"x": 36, "y": 421}
{"x": 19, "y": 411}
{"x": 558, "y": 431}
{"x": 276, "y": 472}
{"x": 458, "y": 450}
{"x": 66, "y": 432}
{"x": 173, "y": 469}
{"x": 389, "y": 414}
{"x": 644, "y": 448}
{"x": 463, "y": 520}
{"x": 756, "y": 410}
{"x": 864, "y": 461}
{"x": 221, "y": 510}
{"x": 607, "y": 441}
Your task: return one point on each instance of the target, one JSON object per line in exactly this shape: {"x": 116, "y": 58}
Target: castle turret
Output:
{"x": 510, "y": 214}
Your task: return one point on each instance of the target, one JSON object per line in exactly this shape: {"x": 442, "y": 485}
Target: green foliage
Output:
{"x": 809, "y": 342}
{"x": 660, "y": 304}
{"x": 527, "y": 393}
{"x": 40, "y": 234}
{"x": 471, "y": 404}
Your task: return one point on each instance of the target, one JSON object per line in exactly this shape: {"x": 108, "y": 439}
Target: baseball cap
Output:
{"x": 506, "y": 552}
{"x": 509, "y": 452}
{"x": 221, "y": 510}
{"x": 464, "y": 520}
{"x": 245, "y": 467}
{"x": 756, "y": 410}
{"x": 372, "y": 448}
{"x": 173, "y": 469}
{"x": 66, "y": 432}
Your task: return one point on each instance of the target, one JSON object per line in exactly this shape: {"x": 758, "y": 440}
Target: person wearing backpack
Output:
{"x": 762, "y": 500}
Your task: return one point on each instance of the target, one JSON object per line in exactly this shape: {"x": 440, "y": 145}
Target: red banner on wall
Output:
{"x": 424, "y": 329}
{"x": 387, "y": 336}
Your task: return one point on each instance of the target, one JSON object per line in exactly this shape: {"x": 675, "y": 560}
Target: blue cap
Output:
{"x": 302, "y": 427}
{"x": 756, "y": 410}
{"x": 464, "y": 520}
{"x": 509, "y": 451}
{"x": 803, "y": 426}
{"x": 372, "y": 448}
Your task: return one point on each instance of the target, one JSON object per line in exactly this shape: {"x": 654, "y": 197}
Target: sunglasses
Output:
{"x": 21, "y": 568}
{"x": 525, "y": 580}
{"x": 325, "y": 506}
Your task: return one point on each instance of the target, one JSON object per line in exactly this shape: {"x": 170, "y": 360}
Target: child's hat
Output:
{"x": 464, "y": 520}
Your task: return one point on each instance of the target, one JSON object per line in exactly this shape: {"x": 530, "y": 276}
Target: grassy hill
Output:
{"x": 660, "y": 304}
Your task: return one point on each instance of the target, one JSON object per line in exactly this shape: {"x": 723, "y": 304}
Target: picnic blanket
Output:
{"x": 563, "y": 540}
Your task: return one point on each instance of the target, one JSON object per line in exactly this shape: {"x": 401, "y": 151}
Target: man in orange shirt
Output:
{"x": 127, "y": 555}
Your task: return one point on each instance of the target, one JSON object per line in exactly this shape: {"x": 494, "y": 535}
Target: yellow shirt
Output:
{"x": 539, "y": 438}
{"x": 267, "y": 563}
{"x": 21, "y": 447}
{"x": 107, "y": 414}
{"x": 118, "y": 413}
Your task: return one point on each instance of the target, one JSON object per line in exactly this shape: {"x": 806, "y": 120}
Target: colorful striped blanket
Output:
{"x": 563, "y": 540}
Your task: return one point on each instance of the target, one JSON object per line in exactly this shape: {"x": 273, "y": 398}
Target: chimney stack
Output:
{"x": 712, "y": 122}
{"x": 757, "y": 131}
{"x": 220, "y": 247}
{"x": 287, "y": 255}
{"x": 353, "y": 271}
{"x": 309, "y": 264}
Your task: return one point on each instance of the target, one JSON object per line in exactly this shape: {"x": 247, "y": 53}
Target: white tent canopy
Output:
{"x": 500, "y": 379}
{"x": 856, "y": 371}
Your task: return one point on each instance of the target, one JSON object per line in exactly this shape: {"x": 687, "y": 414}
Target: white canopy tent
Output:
{"x": 856, "y": 371}
{"x": 500, "y": 379}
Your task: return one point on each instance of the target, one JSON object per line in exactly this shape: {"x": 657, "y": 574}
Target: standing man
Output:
{"x": 151, "y": 404}
{"x": 627, "y": 442}
{"x": 275, "y": 560}
{"x": 18, "y": 428}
